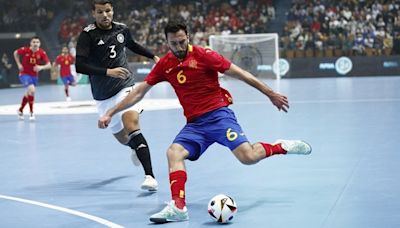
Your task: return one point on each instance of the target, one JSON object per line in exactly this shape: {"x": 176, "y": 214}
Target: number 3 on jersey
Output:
{"x": 113, "y": 53}
{"x": 181, "y": 77}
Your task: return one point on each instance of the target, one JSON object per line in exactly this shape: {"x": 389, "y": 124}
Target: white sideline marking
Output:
{"x": 329, "y": 101}
{"x": 85, "y": 107}
{"x": 66, "y": 210}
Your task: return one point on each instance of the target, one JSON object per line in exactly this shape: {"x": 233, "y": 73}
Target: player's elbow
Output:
{"x": 79, "y": 67}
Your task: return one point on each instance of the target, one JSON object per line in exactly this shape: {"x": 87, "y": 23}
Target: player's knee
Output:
{"x": 131, "y": 120}
{"x": 174, "y": 154}
{"x": 31, "y": 91}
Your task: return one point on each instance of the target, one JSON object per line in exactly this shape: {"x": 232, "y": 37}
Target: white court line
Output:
{"x": 330, "y": 101}
{"x": 86, "y": 107}
{"x": 66, "y": 210}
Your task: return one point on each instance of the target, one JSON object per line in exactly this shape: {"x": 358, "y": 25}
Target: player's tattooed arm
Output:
{"x": 133, "y": 97}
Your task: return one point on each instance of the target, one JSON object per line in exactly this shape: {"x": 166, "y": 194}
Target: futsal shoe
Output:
{"x": 134, "y": 158}
{"x": 68, "y": 99}
{"x": 170, "y": 213}
{"x": 149, "y": 183}
{"x": 32, "y": 117}
{"x": 295, "y": 146}
{"x": 20, "y": 115}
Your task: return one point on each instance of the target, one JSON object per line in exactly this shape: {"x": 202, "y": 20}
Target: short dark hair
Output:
{"x": 100, "y": 2}
{"x": 35, "y": 37}
{"x": 174, "y": 26}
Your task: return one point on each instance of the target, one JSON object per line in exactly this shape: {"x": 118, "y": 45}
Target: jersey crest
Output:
{"x": 193, "y": 64}
{"x": 120, "y": 38}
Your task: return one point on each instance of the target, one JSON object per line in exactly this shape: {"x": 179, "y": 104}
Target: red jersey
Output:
{"x": 195, "y": 80}
{"x": 31, "y": 59}
{"x": 65, "y": 62}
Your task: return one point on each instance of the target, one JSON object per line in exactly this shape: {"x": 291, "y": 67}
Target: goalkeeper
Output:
{"x": 193, "y": 73}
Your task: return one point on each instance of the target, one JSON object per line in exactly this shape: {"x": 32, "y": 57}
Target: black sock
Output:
{"x": 139, "y": 144}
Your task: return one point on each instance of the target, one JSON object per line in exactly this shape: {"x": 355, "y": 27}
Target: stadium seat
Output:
{"x": 338, "y": 52}
{"x": 369, "y": 51}
{"x": 329, "y": 52}
{"x": 299, "y": 53}
{"x": 289, "y": 54}
{"x": 309, "y": 52}
{"x": 387, "y": 51}
{"x": 319, "y": 53}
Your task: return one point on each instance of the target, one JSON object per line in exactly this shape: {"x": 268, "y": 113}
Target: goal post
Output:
{"x": 256, "y": 53}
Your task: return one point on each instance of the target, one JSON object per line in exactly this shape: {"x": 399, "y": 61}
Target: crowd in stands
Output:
{"x": 312, "y": 28}
{"x": 146, "y": 19}
{"x": 25, "y": 15}
{"x": 342, "y": 27}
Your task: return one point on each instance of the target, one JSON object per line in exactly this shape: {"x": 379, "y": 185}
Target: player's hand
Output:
{"x": 37, "y": 68}
{"x": 118, "y": 72}
{"x": 280, "y": 101}
{"x": 156, "y": 59}
{"x": 20, "y": 67}
{"x": 104, "y": 121}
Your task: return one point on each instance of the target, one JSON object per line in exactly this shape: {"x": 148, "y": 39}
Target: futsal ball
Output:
{"x": 222, "y": 208}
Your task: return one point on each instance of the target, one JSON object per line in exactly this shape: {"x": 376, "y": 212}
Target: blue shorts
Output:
{"x": 28, "y": 80}
{"x": 68, "y": 80}
{"x": 218, "y": 126}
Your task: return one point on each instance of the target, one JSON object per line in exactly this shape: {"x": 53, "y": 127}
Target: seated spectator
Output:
{"x": 359, "y": 44}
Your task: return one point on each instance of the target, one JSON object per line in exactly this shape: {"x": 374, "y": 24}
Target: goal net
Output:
{"x": 256, "y": 53}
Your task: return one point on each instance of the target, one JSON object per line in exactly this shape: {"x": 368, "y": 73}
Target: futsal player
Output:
{"x": 64, "y": 62}
{"x": 100, "y": 53}
{"x": 30, "y": 61}
{"x": 193, "y": 73}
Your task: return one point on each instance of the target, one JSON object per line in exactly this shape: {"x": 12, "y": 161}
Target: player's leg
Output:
{"x": 31, "y": 89}
{"x": 139, "y": 146}
{"x": 20, "y": 111}
{"x": 189, "y": 144}
{"x": 72, "y": 81}
{"x": 31, "y": 100}
{"x": 136, "y": 140}
{"x": 66, "y": 87}
{"x": 236, "y": 140}
{"x": 66, "y": 91}
{"x": 116, "y": 126}
{"x": 176, "y": 155}
{"x": 250, "y": 154}
{"x": 176, "y": 209}
{"x": 149, "y": 182}
{"x": 26, "y": 81}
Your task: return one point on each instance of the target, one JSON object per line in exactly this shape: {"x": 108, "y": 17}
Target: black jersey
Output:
{"x": 106, "y": 49}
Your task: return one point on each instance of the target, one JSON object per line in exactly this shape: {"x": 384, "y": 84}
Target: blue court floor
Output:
{"x": 62, "y": 171}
